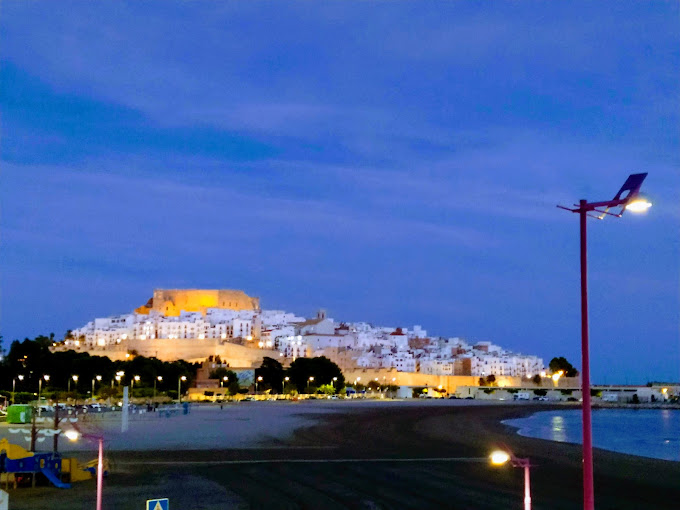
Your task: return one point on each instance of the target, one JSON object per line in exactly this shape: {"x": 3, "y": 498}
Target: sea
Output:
{"x": 645, "y": 432}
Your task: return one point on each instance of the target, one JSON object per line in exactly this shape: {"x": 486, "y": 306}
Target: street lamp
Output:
{"x": 633, "y": 202}
{"x": 500, "y": 457}
{"x": 556, "y": 377}
{"x": 98, "y": 378}
{"x": 73, "y": 435}
{"x": 311, "y": 378}
{"x": 285, "y": 380}
{"x": 179, "y": 387}
{"x": 47, "y": 378}
{"x": 132, "y": 384}
{"x": 14, "y": 385}
{"x": 333, "y": 382}
{"x": 159, "y": 379}
{"x": 259, "y": 379}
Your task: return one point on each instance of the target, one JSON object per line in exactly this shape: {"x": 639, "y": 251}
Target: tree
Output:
{"x": 537, "y": 380}
{"x": 491, "y": 380}
{"x": 221, "y": 372}
{"x": 561, "y": 363}
{"x": 326, "y": 389}
{"x": 323, "y": 370}
{"x": 272, "y": 374}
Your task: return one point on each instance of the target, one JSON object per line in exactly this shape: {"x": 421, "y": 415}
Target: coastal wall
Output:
{"x": 449, "y": 383}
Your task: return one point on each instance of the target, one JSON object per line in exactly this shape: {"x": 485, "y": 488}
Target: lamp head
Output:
{"x": 73, "y": 435}
{"x": 183, "y": 378}
{"x": 499, "y": 457}
{"x": 638, "y": 205}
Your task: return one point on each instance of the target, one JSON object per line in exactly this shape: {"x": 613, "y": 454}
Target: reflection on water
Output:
{"x": 558, "y": 432}
{"x": 646, "y": 432}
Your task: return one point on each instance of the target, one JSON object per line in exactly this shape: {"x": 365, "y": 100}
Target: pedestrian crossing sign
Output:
{"x": 158, "y": 504}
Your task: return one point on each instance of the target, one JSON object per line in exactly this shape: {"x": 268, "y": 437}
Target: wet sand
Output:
{"x": 400, "y": 447}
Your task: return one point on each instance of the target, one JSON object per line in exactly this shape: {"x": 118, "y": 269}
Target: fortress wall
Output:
{"x": 170, "y": 302}
{"x": 189, "y": 349}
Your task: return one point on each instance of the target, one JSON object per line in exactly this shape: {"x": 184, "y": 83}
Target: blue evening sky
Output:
{"x": 393, "y": 162}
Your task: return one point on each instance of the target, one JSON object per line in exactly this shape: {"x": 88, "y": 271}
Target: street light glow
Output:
{"x": 640, "y": 204}
{"x": 499, "y": 457}
{"x": 73, "y": 435}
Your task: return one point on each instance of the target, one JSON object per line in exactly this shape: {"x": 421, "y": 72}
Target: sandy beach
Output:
{"x": 364, "y": 455}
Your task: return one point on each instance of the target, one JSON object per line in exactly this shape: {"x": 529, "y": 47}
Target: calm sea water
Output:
{"x": 644, "y": 432}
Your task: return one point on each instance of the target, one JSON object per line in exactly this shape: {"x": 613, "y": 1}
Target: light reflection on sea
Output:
{"x": 645, "y": 432}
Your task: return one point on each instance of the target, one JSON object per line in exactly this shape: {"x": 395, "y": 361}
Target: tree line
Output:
{"x": 304, "y": 375}
{"x": 29, "y": 365}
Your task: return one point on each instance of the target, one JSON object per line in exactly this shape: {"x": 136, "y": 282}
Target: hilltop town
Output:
{"x": 194, "y": 324}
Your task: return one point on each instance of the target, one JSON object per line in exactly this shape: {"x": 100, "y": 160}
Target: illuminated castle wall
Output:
{"x": 170, "y": 302}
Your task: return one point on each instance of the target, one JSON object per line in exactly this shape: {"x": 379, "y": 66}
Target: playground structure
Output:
{"x": 17, "y": 463}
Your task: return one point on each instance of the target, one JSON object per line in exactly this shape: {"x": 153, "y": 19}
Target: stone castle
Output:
{"x": 170, "y": 302}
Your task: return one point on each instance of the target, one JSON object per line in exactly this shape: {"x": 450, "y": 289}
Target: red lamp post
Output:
{"x": 500, "y": 457}
{"x": 634, "y": 202}
{"x": 73, "y": 435}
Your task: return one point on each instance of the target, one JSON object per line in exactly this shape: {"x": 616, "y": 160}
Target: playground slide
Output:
{"x": 52, "y": 477}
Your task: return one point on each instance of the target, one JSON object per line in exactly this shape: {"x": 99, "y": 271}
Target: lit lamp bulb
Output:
{"x": 499, "y": 457}
{"x": 72, "y": 435}
{"x": 639, "y": 204}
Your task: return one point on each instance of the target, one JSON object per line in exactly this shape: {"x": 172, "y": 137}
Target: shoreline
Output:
{"x": 535, "y": 427}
